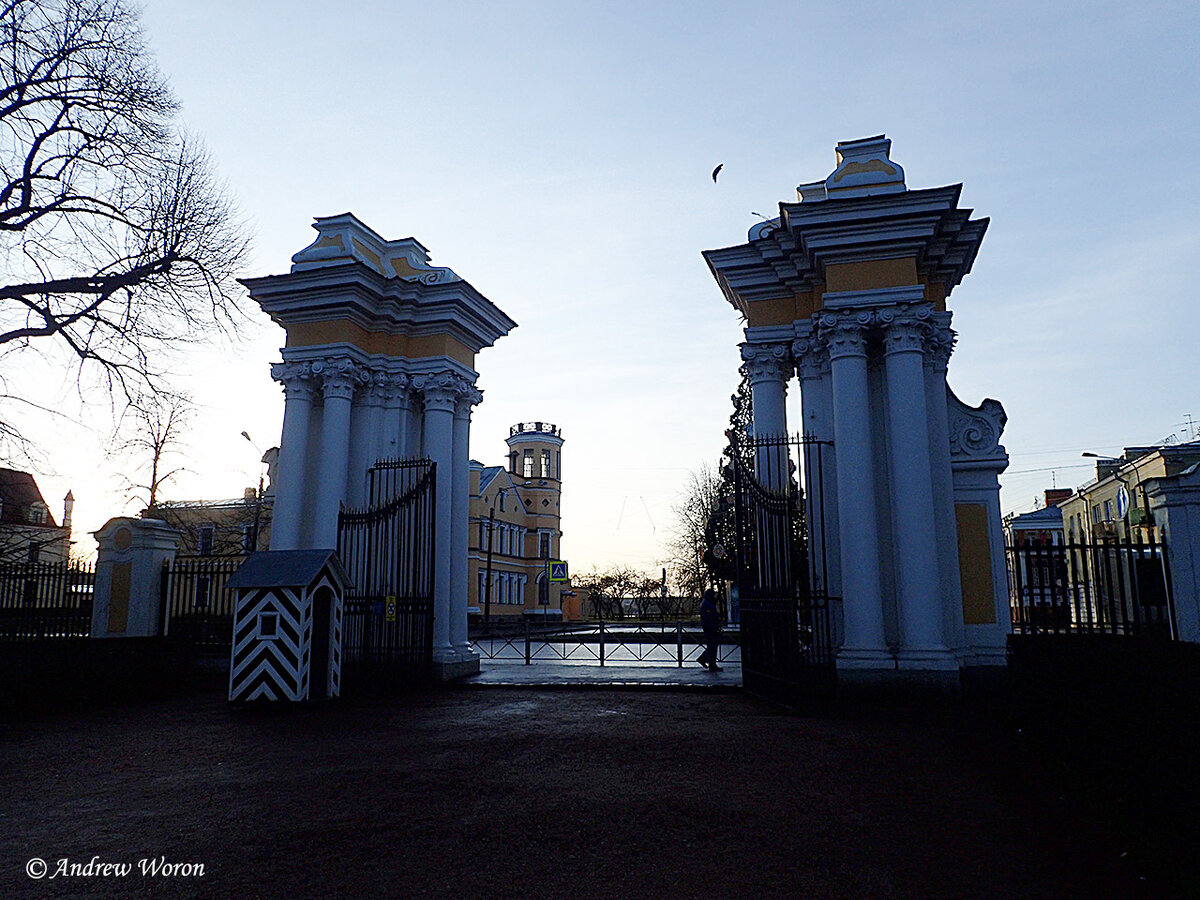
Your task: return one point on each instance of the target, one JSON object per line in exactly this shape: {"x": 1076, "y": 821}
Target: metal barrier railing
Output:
{"x": 604, "y": 643}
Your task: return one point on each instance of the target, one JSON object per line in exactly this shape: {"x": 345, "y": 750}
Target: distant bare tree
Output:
{"x": 117, "y": 243}
{"x": 694, "y": 514}
{"x": 155, "y": 431}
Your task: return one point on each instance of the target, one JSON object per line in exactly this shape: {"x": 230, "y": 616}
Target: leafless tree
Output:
{"x": 691, "y": 536}
{"x": 155, "y": 432}
{"x": 117, "y": 243}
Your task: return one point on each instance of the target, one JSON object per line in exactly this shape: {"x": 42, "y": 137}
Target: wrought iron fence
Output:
{"x": 603, "y": 643}
{"x": 197, "y": 608}
{"x": 46, "y": 601}
{"x": 1109, "y": 586}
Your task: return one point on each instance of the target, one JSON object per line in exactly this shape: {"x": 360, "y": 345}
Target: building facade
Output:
{"x": 28, "y": 532}
{"x": 516, "y": 515}
{"x": 1115, "y": 502}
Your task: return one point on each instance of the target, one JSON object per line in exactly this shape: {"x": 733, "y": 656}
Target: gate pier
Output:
{"x": 847, "y": 288}
{"x": 378, "y": 364}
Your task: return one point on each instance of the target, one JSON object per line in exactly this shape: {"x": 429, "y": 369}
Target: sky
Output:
{"x": 557, "y": 156}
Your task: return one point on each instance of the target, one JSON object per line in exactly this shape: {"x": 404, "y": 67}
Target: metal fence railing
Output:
{"x": 46, "y": 601}
{"x": 1111, "y": 585}
{"x": 197, "y": 608}
{"x": 603, "y": 643}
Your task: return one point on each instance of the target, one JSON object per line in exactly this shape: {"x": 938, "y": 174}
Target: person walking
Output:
{"x": 710, "y": 621}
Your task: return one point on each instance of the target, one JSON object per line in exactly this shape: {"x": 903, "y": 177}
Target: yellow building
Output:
{"x": 515, "y": 514}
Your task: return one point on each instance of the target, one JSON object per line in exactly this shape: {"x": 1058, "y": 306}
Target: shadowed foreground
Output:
{"x": 511, "y": 793}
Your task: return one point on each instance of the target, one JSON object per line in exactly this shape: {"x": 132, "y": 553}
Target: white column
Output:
{"x": 940, "y": 346}
{"x": 820, "y": 476}
{"x": 394, "y": 426}
{"x": 918, "y": 585}
{"x": 862, "y": 602}
{"x": 460, "y": 510}
{"x": 339, "y": 379}
{"x": 293, "y": 454}
{"x": 364, "y": 435}
{"x": 769, "y": 367}
{"x": 440, "y": 394}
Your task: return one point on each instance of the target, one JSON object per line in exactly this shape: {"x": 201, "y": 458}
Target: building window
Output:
{"x": 268, "y": 626}
{"x": 543, "y": 545}
{"x": 1108, "y": 511}
{"x": 545, "y": 463}
{"x": 35, "y": 551}
{"x": 527, "y": 470}
{"x": 1096, "y": 514}
{"x": 502, "y": 501}
{"x": 558, "y": 464}
{"x": 204, "y": 540}
{"x": 203, "y": 589}
{"x": 249, "y": 539}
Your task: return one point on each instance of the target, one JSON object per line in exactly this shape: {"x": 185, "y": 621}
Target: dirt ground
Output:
{"x": 534, "y": 793}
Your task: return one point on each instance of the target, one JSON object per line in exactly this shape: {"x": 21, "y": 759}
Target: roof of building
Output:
{"x": 18, "y": 492}
{"x": 286, "y": 568}
{"x": 1046, "y": 517}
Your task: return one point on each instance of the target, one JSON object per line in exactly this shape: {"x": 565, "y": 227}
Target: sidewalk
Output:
{"x": 510, "y": 673}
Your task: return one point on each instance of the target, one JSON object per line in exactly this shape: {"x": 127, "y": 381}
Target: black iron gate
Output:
{"x": 787, "y": 640}
{"x": 388, "y": 551}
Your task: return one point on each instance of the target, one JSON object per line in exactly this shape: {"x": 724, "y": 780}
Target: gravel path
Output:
{"x": 527, "y": 793}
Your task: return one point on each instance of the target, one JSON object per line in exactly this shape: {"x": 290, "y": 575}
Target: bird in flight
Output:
{"x": 716, "y": 171}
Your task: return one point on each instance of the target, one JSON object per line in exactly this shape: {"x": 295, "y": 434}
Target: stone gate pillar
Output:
{"x": 379, "y": 355}
{"x": 855, "y": 275}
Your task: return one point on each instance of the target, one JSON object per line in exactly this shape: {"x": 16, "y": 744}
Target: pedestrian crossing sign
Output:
{"x": 558, "y": 570}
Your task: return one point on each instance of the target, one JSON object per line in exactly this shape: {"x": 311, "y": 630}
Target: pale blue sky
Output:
{"x": 557, "y": 156}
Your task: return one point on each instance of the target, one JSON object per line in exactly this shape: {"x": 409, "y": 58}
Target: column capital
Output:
{"x": 766, "y": 362}
{"x": 296, "y": 378}
{"x": 940, "y": 341}
{"x": 339, "y": 377}
{"x": 812, "y": 357}
{"x": 905, "y": 327}
{"x": 374, "y": 388}
{"x": 469, "y": 398}
{"x": 844, "y": 333}
{"x": 441, "y": 390}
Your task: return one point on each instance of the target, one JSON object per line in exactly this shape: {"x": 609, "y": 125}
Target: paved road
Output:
{"x": 533, "y": 793}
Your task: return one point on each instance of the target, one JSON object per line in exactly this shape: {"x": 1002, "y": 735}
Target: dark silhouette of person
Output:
{"x": 710, "y": 621}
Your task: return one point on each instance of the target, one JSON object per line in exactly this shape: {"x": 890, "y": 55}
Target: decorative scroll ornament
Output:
{"x": 766, "y": 362}
{"x": 339, "y": 376}
{"x": 975, "y": 431}
{"x": 905, "y": 327}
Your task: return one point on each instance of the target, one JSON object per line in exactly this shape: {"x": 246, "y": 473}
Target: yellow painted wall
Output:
{"x": 875, "y": 273}
{"x": 311, "y": 334}
{"x": 975, "y": 564}
{"x": 118, "y": 608}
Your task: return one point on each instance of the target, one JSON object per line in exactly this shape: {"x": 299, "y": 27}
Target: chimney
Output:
{"x": 1055, "y": 496}
{"x": 68, "y": 509}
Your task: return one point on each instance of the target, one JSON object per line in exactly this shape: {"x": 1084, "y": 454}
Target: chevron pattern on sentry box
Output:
{"x": 271, "y": 636}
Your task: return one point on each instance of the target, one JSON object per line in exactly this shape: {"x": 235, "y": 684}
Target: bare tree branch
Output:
{"x": 117, "y": 242}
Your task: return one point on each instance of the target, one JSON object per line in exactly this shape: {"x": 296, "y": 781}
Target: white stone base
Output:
{"x": 453, "y": 664}
{"x": 865, "y": 659}
{"x": 933, "y": 660}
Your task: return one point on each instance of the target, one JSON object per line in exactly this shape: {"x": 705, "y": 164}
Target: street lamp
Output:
{"x": 258, "y": 498}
